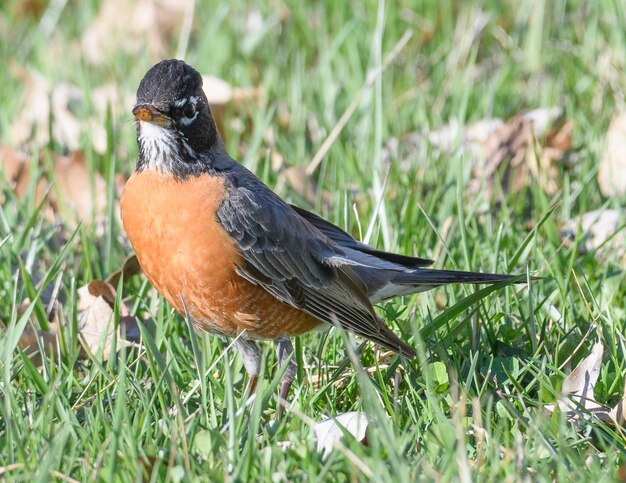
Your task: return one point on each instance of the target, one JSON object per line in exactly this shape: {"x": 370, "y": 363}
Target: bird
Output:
{"x": 235, "y": 258}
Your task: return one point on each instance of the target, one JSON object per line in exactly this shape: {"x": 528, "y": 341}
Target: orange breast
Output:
{"x": 184, "y": 251}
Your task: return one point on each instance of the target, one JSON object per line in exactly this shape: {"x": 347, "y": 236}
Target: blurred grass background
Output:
{"x": 471, "y": 406}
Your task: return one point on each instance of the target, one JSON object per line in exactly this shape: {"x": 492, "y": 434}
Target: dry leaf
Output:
{"x": 618, "y": 413}
{"x": 470, "y": 136}
{"x": 33, "y": 339}
{"x": 131, "y": 27}
{"x": 79, "y": 191}
{"x": 580, "y": 383}
{"x": 104, "y": 97}
{"x": 95, "y": 319}
{"x": 129, "y": 269}
{"x": 577, "y": 396}
{"x": 95, "y": 306}
{"x": 330, "y": 431}
{"x": 28, "y": 8}
{"x": 612, "y": 172}
{"x": 577, "y": 392}
{"x": 14, "y": 165}
{"x": 83, "y": 193}
{"x": 44, "y": 103}
{"x": 601, "y": 229}
{"x": 61, "y": 104}
{"x": 220, "y": 93}
{"x": 517, "y": 140}
{"x": 490, "y": 142}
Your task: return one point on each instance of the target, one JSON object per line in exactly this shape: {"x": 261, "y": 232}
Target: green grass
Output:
{"x": 173, "y": 408}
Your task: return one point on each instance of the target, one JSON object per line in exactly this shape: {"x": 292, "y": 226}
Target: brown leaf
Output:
{"x": 33, "y": 340}
{"x": 78, "y": 191}
{"x": 29, "y": 8}
{"x": 531, "y": 143}
{"x": 62, "y": 105}
{"x": 99, "y": 288}
{"x": 612, "y": 172}
{"x": 14, "y": 165}
{"x": 129, "y": 26}
{"x": 517, "y": 140}
{"x": 83, "y": 192}
{"x": 95, "y": 307}
{"x": 44, "y": 102}
{"x": 129, "y": 269}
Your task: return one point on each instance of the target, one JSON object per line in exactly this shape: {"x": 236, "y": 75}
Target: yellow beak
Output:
{"x": 149, "y": 113}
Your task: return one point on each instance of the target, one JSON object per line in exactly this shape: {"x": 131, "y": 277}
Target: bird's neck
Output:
{"x": 164, "y": 151}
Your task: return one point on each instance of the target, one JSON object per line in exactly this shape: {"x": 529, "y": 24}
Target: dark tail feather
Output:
{"x": 432, "y": 277}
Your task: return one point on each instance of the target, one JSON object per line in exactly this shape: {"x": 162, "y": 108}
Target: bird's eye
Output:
{"x": 190, "y": 110}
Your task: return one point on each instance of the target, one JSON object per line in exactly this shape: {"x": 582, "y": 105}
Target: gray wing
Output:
{"x": 298, "y": 264}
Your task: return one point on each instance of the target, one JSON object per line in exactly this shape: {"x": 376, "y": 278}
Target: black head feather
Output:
{"x": 170, "y": 98}
{"x": 167, "y": 82}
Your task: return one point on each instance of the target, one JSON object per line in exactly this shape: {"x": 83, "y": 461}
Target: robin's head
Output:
{"x": 175, "y": 127}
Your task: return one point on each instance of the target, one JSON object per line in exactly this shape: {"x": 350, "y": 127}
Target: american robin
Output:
{"x": 222, "y": 247}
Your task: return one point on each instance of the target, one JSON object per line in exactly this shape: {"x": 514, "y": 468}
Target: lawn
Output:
{"x": 404, "y": 123}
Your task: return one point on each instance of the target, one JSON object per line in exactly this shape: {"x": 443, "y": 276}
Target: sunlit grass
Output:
{"x": 173, "y": 407}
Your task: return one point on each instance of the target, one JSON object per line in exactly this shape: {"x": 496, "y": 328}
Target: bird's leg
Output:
{"x": 251, "y": 354}
{"x": 284, "y": 350}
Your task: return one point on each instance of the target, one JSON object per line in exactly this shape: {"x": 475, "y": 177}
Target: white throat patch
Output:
{"x": 161, "y": 148}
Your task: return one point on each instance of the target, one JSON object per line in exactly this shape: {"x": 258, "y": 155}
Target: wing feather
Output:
{"x": 296, "y": 262}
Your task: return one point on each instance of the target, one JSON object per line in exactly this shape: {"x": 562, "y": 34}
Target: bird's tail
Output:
{"x": 423, "y": 279}
{"x": 434, "y": 278}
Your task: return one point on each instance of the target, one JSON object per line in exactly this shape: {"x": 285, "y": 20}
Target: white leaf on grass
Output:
{"x": 219, "y": 92}
{"x": 618, "y": 413}
{"x": 577, "y": 396}
{"x": 612, "y": 172}
{"x": 577, "y": 391}
{"x": 600, "y": 229}
{"x": 580, "y": 383}
{"x": 95, "y": 320}
{"x": 331, "y": 430}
